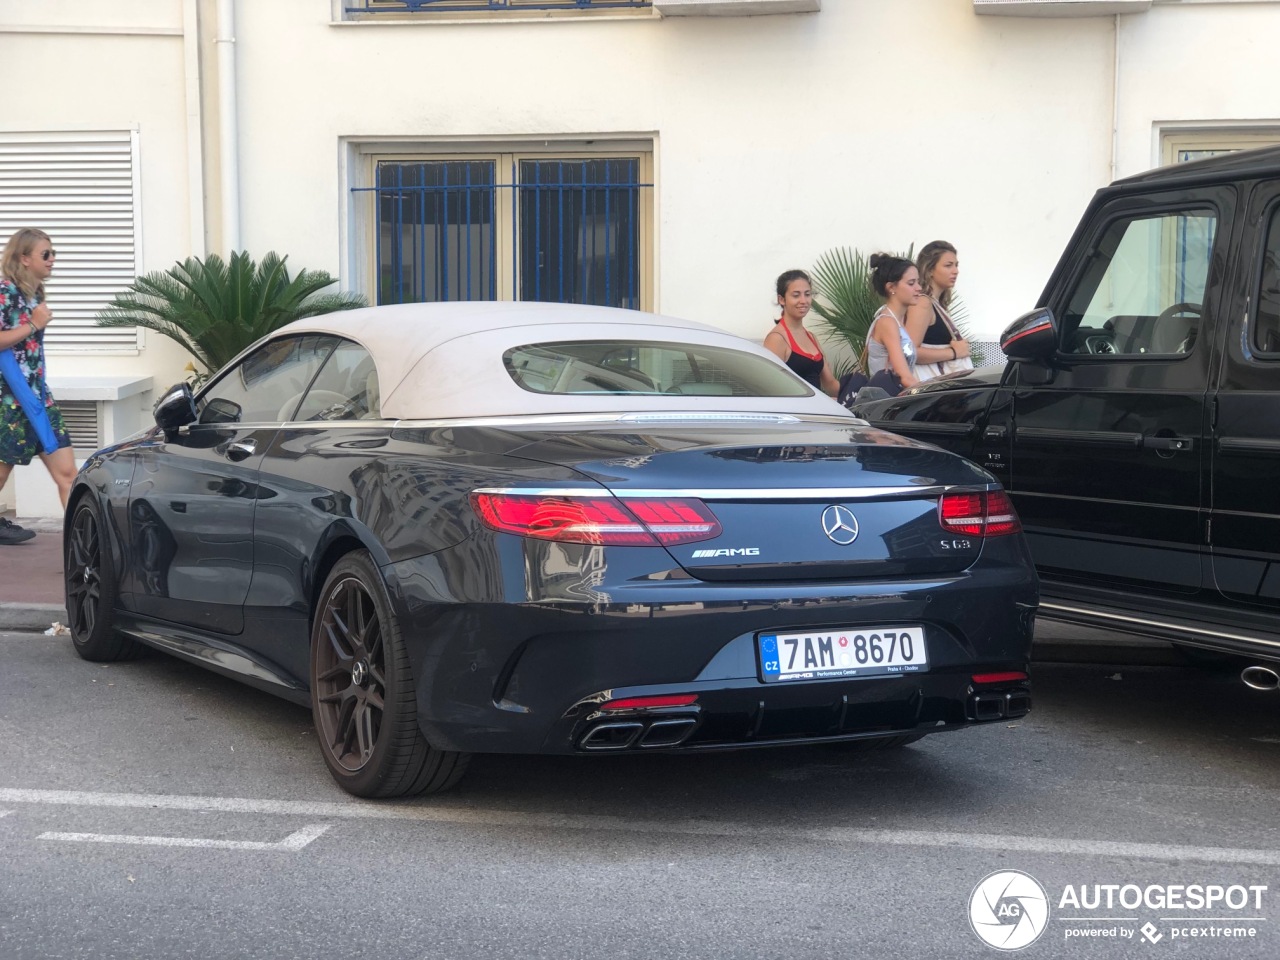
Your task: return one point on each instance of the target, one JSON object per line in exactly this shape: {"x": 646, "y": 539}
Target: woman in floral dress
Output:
{"x": 30, "y": 421}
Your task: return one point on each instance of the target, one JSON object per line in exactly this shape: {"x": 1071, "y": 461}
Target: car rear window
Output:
{"x": 618, "y": 367}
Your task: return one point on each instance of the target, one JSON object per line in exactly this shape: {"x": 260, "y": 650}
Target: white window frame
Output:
{"x": 1172, "y": 139}
{"x": 359, "y": 216}
{"x": 31, "y": 195}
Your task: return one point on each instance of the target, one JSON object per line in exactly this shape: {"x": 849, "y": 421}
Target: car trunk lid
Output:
{"x": 798, "y": 501}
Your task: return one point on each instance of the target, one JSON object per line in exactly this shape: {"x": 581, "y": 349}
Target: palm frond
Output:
{"x": 958, "y": 310}
{"x": 216, "y": 308}
{"x": 843, "y": 298}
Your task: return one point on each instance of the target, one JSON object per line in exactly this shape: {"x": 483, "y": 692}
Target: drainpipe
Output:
{"x": 195, "y": 126}
{"x": 1115, "y": 104}
{"x": 228, "y": 124}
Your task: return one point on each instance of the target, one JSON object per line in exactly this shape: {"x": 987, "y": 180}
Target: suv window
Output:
{"x": 1142, "y": 290}
{"x": 1266, "y": 325}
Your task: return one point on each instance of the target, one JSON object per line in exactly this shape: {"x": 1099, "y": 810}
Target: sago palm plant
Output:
{"x": 215, "y": 309}
{"x": 843, "y": 298}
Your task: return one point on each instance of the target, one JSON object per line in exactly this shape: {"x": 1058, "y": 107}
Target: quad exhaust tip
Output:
{"x": 1000, "y": 706}
{"x": 1259, "y": 677}
{"x": 625, "y": 734}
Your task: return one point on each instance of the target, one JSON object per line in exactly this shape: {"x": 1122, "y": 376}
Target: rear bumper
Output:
{"x": 738, "y": 718}
{"x": 527, "y": 676}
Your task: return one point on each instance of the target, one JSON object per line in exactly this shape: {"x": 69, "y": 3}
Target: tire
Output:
{"x": 363, "y": 700}
{"x": 92, "y": 588}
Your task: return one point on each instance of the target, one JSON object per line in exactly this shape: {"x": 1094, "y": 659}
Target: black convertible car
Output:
{"x": 495, "y": 527}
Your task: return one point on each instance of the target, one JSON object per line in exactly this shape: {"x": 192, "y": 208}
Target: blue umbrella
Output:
{"x": 32, "y": 403}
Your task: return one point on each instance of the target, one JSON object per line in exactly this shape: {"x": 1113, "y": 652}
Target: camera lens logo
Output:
{"x": 1009, "y": 910}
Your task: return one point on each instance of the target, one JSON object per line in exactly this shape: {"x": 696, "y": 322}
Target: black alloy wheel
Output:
{"x": 91, "y": 588}
{"x": 362, "y": 693}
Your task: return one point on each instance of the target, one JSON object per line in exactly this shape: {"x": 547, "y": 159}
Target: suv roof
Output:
{"x": 1240, "y": 165}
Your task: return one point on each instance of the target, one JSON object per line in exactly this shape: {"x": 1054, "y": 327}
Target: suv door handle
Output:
{"x": 1168, "y": 443}
{"x": 240, "y": 450}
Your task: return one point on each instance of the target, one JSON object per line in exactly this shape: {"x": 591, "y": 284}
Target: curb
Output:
{"x": 31, "y": 616}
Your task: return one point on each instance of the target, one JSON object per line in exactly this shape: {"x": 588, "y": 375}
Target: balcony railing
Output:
{"x": 364, "y": 7}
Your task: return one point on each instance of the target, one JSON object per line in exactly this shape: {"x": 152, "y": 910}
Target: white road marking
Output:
{"x": 355, "y": 810}
{"x": 290, "y": 844}
{"x": 5, "y": 813}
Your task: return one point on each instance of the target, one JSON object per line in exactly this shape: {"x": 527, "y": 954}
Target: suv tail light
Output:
{"x": 600, "y": 520}
{"x": 985, "y": 514}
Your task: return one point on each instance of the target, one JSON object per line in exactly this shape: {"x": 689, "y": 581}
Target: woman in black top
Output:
{"x": 794, "y": 345}
{"x": 937, "y": 340}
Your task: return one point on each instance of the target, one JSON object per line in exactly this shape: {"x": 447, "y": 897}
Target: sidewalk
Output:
{"x": 31, "y": 591}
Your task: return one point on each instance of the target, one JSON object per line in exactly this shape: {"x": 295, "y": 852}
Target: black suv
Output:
{"x": 1137, "y": 422}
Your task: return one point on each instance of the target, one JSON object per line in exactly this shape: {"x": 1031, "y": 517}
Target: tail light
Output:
{"x": 985, "y": 514}
{"x": 650, "y": 703}
{"x": 1009, "y": 676}
{"x": 600, "y": 520}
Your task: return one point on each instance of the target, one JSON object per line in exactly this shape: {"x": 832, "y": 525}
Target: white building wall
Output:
{"x": 778, "y": 137}
{"x": 75, "y": 65}
{"x": 1207, "y": 67}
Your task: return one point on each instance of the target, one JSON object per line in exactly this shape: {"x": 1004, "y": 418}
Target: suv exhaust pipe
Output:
{"x": 1260, "y": 678}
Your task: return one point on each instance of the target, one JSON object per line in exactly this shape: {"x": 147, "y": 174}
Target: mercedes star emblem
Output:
{"x": 840, "y": 525}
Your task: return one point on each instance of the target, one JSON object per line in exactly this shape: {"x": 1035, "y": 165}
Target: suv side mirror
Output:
{"x": 176, "y": 408}
{"x": 1033, "y": 336}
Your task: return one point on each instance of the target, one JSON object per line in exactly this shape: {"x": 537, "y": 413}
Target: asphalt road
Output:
{"x": 154, "y": 810}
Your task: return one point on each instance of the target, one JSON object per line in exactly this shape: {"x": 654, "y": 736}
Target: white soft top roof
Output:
{"x": 444, "y": 360}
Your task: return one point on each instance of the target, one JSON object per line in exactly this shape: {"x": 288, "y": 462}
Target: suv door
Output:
{"x": 1108, "y": 441}
{"x": 1245, "y": 520}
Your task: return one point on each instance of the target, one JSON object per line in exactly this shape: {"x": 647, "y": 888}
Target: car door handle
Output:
{"x": 1168, "y": 443}
{"x": 240, "y": 450}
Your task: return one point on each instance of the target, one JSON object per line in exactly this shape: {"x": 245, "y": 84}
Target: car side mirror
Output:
{"x": 1033, "y": 337}
{"x": 176, "y": 408}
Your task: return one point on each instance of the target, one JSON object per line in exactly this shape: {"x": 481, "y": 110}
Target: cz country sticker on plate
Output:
{"x": 860, "y": 652}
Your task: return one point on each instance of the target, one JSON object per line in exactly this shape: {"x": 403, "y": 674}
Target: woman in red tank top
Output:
{"x": 789, "y": 339}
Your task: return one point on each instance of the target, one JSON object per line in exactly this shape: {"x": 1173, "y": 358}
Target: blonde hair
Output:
{"x": 930, "y": 254}
{"x": 20, "y": 245}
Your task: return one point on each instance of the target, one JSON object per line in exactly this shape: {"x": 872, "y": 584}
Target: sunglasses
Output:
{"x": 47, "y": 255}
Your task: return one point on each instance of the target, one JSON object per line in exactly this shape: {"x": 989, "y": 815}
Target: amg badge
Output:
{"x": 732, "y": 552}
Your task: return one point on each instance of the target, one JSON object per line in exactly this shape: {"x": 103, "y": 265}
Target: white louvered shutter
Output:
{"x": 80, "y": 189}
{"x": 80, "y": 417}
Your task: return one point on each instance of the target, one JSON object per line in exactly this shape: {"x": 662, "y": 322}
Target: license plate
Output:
{"x": 861, "y": 652}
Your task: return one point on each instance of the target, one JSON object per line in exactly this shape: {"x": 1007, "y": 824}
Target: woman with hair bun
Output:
{"x": 794, "y": 345}
{"x": 940, "y": 349}
{"x": 890, "y": 350}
